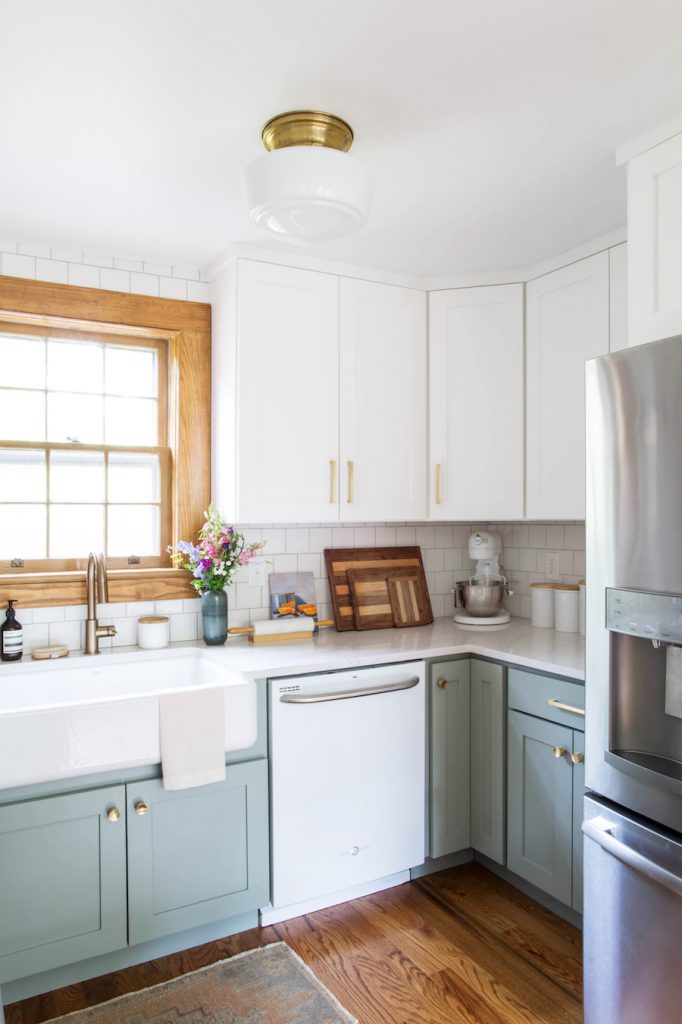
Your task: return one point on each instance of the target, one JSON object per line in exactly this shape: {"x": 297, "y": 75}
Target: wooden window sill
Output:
{"x": 45, "y": 589}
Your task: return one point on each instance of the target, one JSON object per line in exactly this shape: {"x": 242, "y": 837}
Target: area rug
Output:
{"x": 268, "y": 985}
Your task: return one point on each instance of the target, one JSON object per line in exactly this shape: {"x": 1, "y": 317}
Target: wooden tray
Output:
{"x": 340, "y": 560}
{"x": 409, "y": 597}
{"x": 370, "y": 599}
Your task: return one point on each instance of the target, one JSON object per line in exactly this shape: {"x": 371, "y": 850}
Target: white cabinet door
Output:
{"x": 383, "y": 402}
{"x": 618, "y": 298}
{"x": 287, "y": 394}
{"x": 476, "y": 403}
{"x": 655, "y": 242}
{"x": 567, "y": 323}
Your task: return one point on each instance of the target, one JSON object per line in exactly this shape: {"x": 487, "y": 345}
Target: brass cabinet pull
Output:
{"x": 141, "y": 808}
{"x": 553, "y": 703}
{"x": 113, "y": 814}
{"x": 351, "y": 481}
{"x": 559, "y": 751}
{"x": 438, "y": 483}
{"x": 577, "y": 758}
{"x": 332, "y": 481}
{"x": 442, "y": 683}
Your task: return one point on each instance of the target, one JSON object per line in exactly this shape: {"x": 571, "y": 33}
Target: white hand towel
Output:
{"x": 673, "y": 681}
{"x": 192, "y": 728}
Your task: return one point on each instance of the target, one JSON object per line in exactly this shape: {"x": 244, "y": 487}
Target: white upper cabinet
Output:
{"x": 655, "y": 242}
{"x": 476, "y": 403}
{"x": 567, "y": 323}
{"x": 287, "y": 394}
{"x": 383, "y": 402}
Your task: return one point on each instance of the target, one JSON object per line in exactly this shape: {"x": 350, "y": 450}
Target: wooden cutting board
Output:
{"x": 340, "y": 560}
{"x": 409, "y": 597}
{"x": 370, "y": 599}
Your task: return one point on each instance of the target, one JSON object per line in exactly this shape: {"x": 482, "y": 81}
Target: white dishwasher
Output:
{"x": 347, "y": 784}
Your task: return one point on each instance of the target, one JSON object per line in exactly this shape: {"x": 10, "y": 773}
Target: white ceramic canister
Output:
{"x": 153, "y": 632}
{"x": 581, "y": 584}
{"x": 542, "y": 605}
{"x": 566, "y": 607}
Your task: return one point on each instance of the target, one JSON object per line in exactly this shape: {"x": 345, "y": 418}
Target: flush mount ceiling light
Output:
{"x": 306, "y": 188}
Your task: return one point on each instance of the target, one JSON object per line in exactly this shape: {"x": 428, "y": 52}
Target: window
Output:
{"x": 83, "y": 458}
{"x": 100, "y": 368}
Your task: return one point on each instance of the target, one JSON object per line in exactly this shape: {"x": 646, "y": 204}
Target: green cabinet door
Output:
{"x": 540, "y": 804}
{"x": 449, "y": 769}
{"x": 197, "y": 855}
{"x": 62, "y": 880}
{"x": 488, "y": 760}
{"x": 578, "y": 794}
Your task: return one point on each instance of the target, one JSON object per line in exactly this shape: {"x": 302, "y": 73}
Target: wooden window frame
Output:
{"x": 185, "y": 327}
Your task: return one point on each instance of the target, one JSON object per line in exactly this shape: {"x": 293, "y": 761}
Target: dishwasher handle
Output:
{"x": 601, "y": 831}
{"x": 366, "y": 691}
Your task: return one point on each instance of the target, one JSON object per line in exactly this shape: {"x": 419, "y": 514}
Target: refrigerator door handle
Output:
{"x": 601, "y": 830}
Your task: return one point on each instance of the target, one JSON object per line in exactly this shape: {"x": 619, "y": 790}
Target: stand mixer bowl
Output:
{"x": 482, "y": 597}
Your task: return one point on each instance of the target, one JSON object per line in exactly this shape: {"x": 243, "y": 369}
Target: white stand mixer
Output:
{"x": 479, "y": 600}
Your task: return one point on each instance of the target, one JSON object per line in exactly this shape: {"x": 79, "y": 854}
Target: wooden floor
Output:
{"x": 461, "y": 945}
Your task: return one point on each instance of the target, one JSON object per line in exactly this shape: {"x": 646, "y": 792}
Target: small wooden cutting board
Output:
{"x": 409, "y": 597}
{"x": 369, "y": 596}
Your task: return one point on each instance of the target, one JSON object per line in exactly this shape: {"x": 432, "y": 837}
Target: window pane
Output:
{"x": 133, "y": 477}
{"x": 22, "y": 531}
{"x": 74, "y": 418}
{"x": 75, "y": 530}
{"x": 22, "y": 415}
{"x": 133, "y": 530}
{"x": 23, "y": 361}
{"x": 131, "y": 421}
{"x": 130, "y": 371}
{"x": 76, "y": 476}
{"x": 74, "y": 366}
{"x": 22, "y": 475}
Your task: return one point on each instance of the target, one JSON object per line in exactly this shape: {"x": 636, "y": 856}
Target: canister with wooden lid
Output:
{"x": 153, "y": 632}
{"x": 542, "y": 605}
{"x": 566, "y": 607}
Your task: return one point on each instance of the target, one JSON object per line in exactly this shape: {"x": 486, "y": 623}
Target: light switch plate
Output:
{"x": 258, "y": 572}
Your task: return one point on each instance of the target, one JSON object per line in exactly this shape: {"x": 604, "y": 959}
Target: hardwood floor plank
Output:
{"x": 460, "y": 946}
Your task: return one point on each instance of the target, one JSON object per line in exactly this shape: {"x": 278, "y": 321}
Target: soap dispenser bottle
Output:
{"x": 11, "y": 636}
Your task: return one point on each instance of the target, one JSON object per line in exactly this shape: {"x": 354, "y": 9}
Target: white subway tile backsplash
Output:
{"x": 34, "y": 249}
{"x": 364, "y": 536}
{"x": 126, "y": 631}
{"x": 52, "y": 270}
{"x": 310, "y": 563}
{"x": 189, "y": 271}
{"x": 405, "y": 536}
{"x": 120, "y": 264}
{"x": 555, "y": 536}
{"x": 275, "y": 541}
{"x": 98, "y": 259}
{"x": 8, "y": 244}
{"x": 183, "y": 627}
{"x": 36, "y": 635}
{"x": 385, "y": 536}
{"x": 434, "y": 559}
{"x": 138, "y": 608}
{"x": 343, "y": 537}
{"x": 528, "y": 561}
{"x": 68, "y": 633}
{"x": 520, "y": 535}
{"x": 285, "y": 563}
{"x": 159, "y": 269}
{"x": 426, "y": 536}
{"x": 68, "y": 255}
{"x": 83, "y": 275}
{"x": 76, "y": 611}
{"x": 537, "y": 535}
{"x": 198, "y": 291}
{"x": 297, "y": 541}
{"x": 168, "y": 607}
{"x": 172, "y": 288}
{"x": 18, "y": 265}
{"x": 48, "y": 614}
{"x": 114, "y": 280}
{"x": 574, "y": 537}
{"x": 144, "y": 284}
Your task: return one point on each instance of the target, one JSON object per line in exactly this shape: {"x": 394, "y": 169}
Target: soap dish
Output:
{"x": 46, "y": 653}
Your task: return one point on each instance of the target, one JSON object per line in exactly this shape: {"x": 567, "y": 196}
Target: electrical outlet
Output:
{"x": 552, "y": 565}
{"x": 258, "y": 572}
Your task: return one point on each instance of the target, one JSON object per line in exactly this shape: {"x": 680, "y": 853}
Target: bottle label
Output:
{"x": 12, "y": 641}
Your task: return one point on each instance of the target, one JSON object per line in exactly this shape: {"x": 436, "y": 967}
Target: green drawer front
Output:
{"x": 62, "y": 881}
{"x": 535, "y": 694}
{"x": 197, "y": 855}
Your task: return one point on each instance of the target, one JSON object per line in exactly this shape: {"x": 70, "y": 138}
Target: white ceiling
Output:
{"x": 490, "y": 125}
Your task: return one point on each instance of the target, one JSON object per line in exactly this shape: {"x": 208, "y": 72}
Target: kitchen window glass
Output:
{"x": 84, "y": 462}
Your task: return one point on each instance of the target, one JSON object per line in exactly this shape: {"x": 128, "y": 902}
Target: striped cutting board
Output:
{"x": 369, "y": 597}
{"x": 409, "y": 597}
{"x": 340, "y": 560}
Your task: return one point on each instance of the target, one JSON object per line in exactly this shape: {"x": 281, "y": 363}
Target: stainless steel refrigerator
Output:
{"x": 633, "y": 764}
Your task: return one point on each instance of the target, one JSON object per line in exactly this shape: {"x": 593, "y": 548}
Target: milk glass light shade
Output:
{"x": 308, "y": 193}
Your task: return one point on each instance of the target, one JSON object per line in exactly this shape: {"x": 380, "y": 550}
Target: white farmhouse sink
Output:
{"x": 95, "y": 714}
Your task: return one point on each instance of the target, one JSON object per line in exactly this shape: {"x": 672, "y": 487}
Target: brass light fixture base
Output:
{"x": 307, "y": 128}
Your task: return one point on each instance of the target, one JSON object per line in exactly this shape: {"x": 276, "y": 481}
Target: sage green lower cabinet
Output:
{"x": 488, "y": 761}
{"x": 62, "y": 880}
{"x": 197, "y": 855}
{"x": 449, "y": 768}
{"x": 542, "y": 799}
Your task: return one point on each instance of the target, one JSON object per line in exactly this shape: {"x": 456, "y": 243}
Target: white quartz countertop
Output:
{"x": 517, "y": 643}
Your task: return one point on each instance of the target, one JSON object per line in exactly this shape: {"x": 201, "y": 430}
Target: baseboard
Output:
{"x": 70, "y": 974}
{"x": 433, "y": 864}
{"x": 273, "y": 915}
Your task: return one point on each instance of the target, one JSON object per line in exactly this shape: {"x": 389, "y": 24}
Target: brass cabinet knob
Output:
{"x": 141, "y": 808}
{"x": 559, "y": 751}
{"x": 577, "y": 758}
{"x": 441, "y": 683}
{"x": 113, "y": 814}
